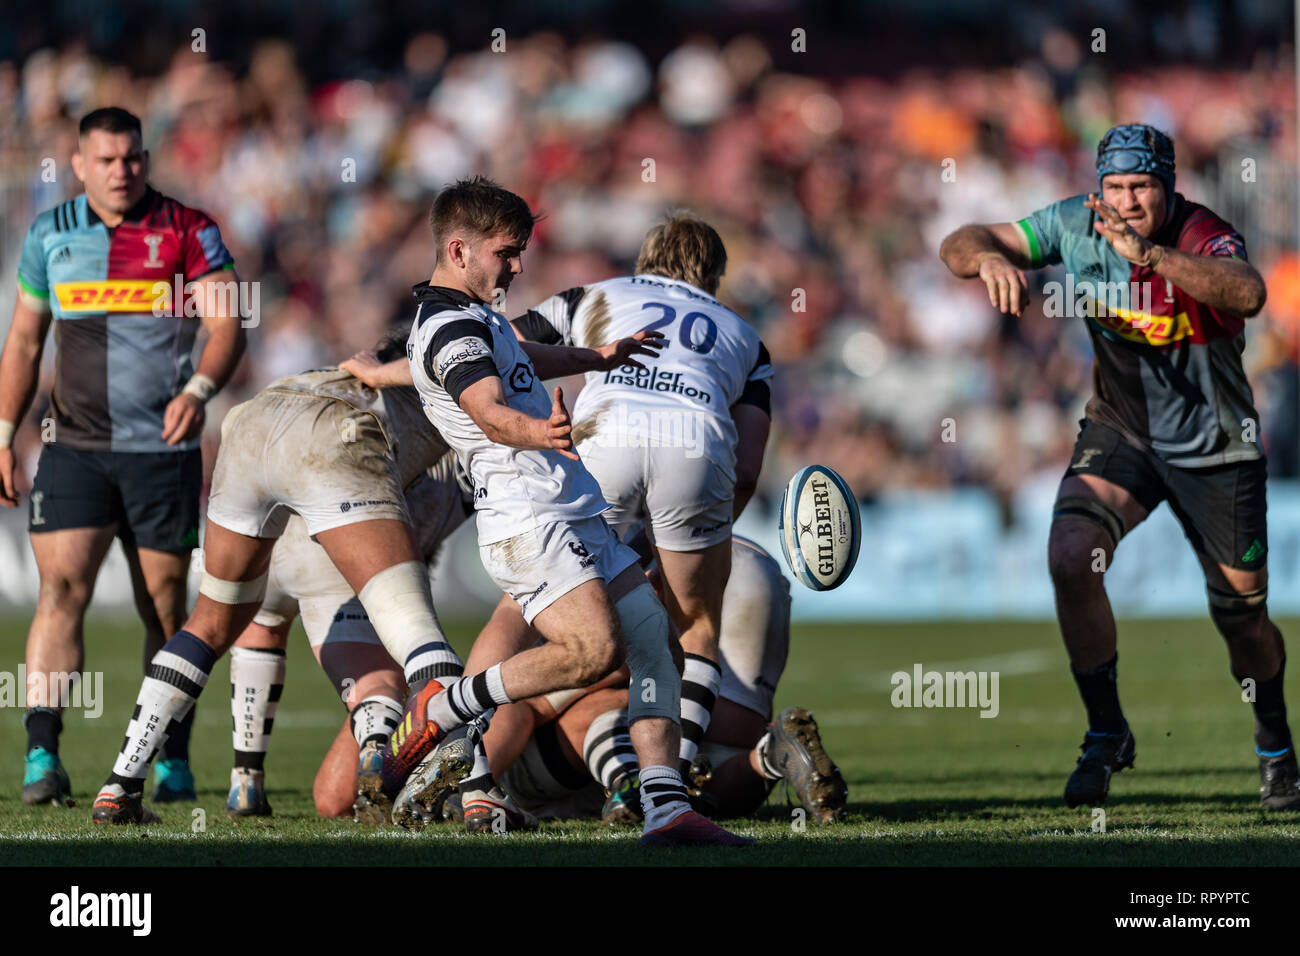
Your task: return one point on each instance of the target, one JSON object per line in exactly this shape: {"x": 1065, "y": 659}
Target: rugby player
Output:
{"x": 127, "y": 409}
{"x": 338, "y": 454}
{"x": 573, "y": 757}
{"x": 369, "y": 682}
{"x": 541, "y": 534}
{"x": 1171, "y": 419}
{"x": 678, "y": 443}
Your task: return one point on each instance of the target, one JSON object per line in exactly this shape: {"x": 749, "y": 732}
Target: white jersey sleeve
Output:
{"x": 456, "y": 342}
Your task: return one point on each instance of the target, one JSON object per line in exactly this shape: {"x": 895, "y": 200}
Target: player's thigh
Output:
{"x": 502, "y": 637}
{"x": 1108, "y": 489}
{"x": 363, "y": 549}
{"x": 734, "y": 725}
{"x": 68, "y": 561}
{"x": 689, "y": 500}
{"x": 581, "y": 619}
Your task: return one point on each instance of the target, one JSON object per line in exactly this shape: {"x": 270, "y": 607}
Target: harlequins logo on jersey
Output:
{"x": 153, "y": 241}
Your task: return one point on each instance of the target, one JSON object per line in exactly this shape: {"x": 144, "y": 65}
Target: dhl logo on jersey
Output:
{"x": 111, "y": 295}
{"x": 1138, "y": 326}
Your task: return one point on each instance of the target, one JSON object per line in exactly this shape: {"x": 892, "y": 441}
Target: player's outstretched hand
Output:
{"x": 559, "y": 429}
{"x": 1008, "y": 290}
{"x": 8, "y": 489}
{"x": 366, "y": 367}
{"x": 1122, "y": 237}
{"x": 182, "y": 419}
{"x": 645, "y": 342}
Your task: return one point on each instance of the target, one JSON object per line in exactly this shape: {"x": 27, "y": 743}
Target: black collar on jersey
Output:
{"x": 442, "y": 295}
{"x": 135, "y": 213}
{"x": 1167, "y": 234}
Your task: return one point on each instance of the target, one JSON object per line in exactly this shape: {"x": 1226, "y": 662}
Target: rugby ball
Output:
{"x": 821, "y": 530}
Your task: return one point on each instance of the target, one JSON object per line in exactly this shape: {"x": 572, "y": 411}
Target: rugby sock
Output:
{"x": 701, "y": 679}
{"x": 607, "y": 749}
{"x": 663, "y": 796}
{"x": 1272, "y": 735}
{"x": 480, "y": 775}
{"x": 43, "y": 725}
{"x": 177, "y": 744}
{"x": 1100, "y": 692}
{"x": 374, "y": 719}
{"x": 764, "y": 762}
{"x": 256, "y": 680}
{"x": 466, "y": 697}
{"x": 177, "y": 675}
{"x": 434, "y": 660}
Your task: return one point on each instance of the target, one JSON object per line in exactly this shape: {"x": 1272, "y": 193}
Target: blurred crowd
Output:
{"x": 832, "y": 196}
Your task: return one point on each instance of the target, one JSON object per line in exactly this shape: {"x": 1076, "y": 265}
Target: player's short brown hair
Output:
{"x": 111, "y": 119}
{"x": 479, "y": 208}
{"x": 683, "y": 246}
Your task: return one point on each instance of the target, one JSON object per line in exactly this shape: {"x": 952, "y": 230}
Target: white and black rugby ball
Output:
{"x": 821, "y": 530}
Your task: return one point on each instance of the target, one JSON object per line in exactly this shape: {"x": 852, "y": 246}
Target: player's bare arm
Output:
{"x": 552, "y": 361}
{"x": 485, "y": 403}
{"x": 1221, "y": 282}
{"x": 366, "y": 367}
{"x": 752, "y": 426}
{"x": 998, "y": 254}
{"x": 19, "y": 371}
{"x": 184, "y": 416}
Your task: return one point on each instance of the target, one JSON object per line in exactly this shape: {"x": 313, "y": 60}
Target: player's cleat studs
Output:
{"x": 1279, "y": 782}
{"x": 45, "y": 780}
{"x": 692, "y": 829}
{"x": 420, "y": 801}
{"x": 247, "y": 794}
{"x": 372, "y": 806}
{"x": 1103, "y": 755}
{"x": 796, "y": 752}
{"x": 114, "y": 805}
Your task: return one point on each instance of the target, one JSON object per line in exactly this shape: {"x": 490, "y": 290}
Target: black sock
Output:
{"x": 43, "y": 728}
{"x": 1271, "y": 731}
{"x": 177, "y": 744}
{"x": 1100, "y": 693}
{"x": 250, "y": 760}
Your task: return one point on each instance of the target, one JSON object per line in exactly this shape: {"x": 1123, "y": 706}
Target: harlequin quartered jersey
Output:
{"x": 456, "y": 342}
{"x": 1167, "y": 370}
{"x": 712, "y": 360}
{"x": 117, "y": 364}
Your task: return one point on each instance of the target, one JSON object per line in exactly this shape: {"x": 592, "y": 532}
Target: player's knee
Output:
{"x": 1083, "y": 538}
{"x": 332, "y": 802}
{"x": 598, "y": 655}
{"x": 1241, "y": 616}
{"x": 64, "y": 594}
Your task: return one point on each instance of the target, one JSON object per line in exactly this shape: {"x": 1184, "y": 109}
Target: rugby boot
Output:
{"x": 623, "y": 803}
{"x": 795, "y": 751}
{"x": 372, "y": 806}
{"x": 1279, "y": 781}
{"x": 45, "y": 780}
{"x": 173, "y": 781}
{"x": 421, "y": 798}
{"x": 1103, "y": 755}
{"x": 247, "y": 794}
{"x": 692, "y": 829}
{"x": 492, "y": 811}
{"x": 415, "y": 737}
{"x": 114, "y": 805}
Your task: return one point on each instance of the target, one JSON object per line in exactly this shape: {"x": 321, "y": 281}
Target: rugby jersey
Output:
{"x": 118, "y": 365}
{"x": 1167, "y": 370}
{"x": 455, "y": 342}
{"x": 712, "y": 359}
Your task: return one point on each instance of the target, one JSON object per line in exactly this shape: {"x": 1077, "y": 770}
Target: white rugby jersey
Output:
{"x": 415, "y": 446}
{"x": 713, "y": 359}
{"x": 454, "y": 343}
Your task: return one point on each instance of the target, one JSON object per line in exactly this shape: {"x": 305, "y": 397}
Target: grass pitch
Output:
{"x": 928, "y": 787}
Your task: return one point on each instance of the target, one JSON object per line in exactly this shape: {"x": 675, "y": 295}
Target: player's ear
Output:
{"x": 457, "y": 254}
{"x": 79, "y": 165}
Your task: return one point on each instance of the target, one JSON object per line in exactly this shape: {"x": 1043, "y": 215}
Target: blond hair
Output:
{"x": 683, "y": 246}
